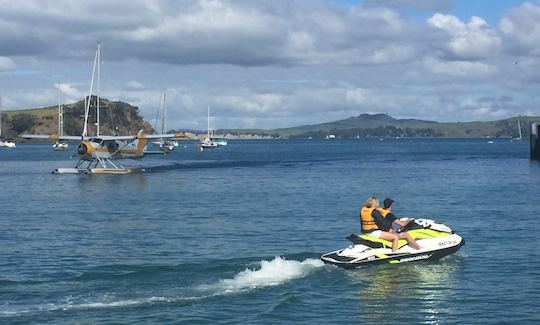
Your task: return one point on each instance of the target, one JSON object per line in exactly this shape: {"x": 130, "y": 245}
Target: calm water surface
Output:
{"x": 234, "y": 235}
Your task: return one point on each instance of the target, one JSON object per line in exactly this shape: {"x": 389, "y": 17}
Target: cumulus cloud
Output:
{"x": 458, "y": 68}
{"x": 6, "y": 63}
{"x": 134, "y": 85}
{"x": 209, "y": 32}
{"x": 474, "y": 40}
{"x": 419, "y": 4}
{"x": 69, "y": 90}
{"x": 253, "y": 104}
{"x": 272, "y": 64}
{"x": 522, "y": 29}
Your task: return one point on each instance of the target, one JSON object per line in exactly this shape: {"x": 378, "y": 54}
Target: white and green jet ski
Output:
{"x": 435, "y": 239}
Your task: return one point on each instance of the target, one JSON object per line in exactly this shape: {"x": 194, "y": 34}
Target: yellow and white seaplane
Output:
{"x": 98, "y": 152}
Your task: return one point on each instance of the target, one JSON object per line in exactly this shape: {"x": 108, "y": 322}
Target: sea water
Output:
{"x": 234, "y": 235}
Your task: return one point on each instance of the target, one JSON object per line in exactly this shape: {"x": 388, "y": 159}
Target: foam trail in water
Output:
{"x": 271, "y": 273}
{"x": 92, "y": 305}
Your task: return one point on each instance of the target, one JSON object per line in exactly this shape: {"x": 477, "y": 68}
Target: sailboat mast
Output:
{"x": 60, "y": 115}
{"x": 208, "y": 123}
{"x": 98, "y": 65}
{"x": 519, "y": 128}
{"x": 1, "y": 116}
{"x": 87, "y": 108}
{"x": 164, "y": 112}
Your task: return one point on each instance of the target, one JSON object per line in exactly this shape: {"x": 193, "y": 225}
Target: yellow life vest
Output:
{"x": 383, "y": 211}
{"x": 367, "y": 221}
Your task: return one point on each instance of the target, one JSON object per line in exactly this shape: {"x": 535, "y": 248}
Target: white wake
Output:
{"x": 270, "y": 273}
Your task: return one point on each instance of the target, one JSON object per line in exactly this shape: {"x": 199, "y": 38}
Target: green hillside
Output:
{"x": 382, "y": 125}
{"x": 115, "y": 118}
{"x": 122, "y": 118}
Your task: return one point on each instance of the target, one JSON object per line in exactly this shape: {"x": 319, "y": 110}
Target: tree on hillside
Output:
{"x": 22, "y": 122}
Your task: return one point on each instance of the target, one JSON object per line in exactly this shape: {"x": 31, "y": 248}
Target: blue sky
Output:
{"x": 280, "y": 63}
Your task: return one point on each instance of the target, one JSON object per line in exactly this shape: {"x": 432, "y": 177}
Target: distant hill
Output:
{"x": 116, "y": 117}
{"x": 122, "y": 118}
{"x": 383, "y": 125}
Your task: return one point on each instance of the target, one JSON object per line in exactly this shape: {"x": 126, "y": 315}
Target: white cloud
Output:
{"x": 6, "y": 63}
{"x": 253, "y": 104}
{"x": 458, "y": 68}
{"x": 472, "y": 41}
{"x": 521, "y": 26}
{"x": 134, "y": 85}
{"x": 357, "y": 96}
{"x": 69, "y": 90}
{"x": 271, "y": 64}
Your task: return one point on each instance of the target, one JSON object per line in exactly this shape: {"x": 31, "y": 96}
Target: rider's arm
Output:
{"x": 381, "y": 221}
{"x": 390, "y": 217}
{"x": 402, "y": 223}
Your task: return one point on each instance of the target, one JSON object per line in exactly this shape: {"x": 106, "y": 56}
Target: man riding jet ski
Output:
{"x": 419, "y": 239}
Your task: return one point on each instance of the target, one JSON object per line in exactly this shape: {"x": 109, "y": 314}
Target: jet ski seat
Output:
{"x": 374, "y": 242}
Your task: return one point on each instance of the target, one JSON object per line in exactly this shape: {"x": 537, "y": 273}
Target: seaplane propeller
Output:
{"x": 83, "y": 148}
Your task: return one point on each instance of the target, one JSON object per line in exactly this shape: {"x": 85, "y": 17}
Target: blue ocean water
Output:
{"x": 234, "y": 235}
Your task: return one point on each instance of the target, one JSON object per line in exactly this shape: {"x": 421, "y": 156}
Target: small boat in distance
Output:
{"x": 166, "y": 145}
{"x": 7, "y": 142}
{"x": 219, "y": 141}
{"x": 60, "y": 145}
{"x": 207, "y": 142}
{"x": 4, "y": 142}
{"x": 520, "y": 136}
{"x": 330, "y": 137}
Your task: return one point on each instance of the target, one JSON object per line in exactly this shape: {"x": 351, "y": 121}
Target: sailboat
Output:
{"x": 4, "y": 142}
{"x": 60, "y": 145}
{"x": 220, "y": 141}
{"x": 520, "y": 137}
{"x": 165, "y": 144}
{"x": 207, "y": 143}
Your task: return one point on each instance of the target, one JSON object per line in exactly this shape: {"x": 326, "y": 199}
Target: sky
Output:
{"x": 275, "y": 64}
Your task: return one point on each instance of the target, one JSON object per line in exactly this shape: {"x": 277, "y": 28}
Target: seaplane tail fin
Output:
{"x": 141, "y": 143}
{"x": 181, "y": 135}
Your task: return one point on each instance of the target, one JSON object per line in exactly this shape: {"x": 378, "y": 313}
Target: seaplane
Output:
{"x": 97, "y": 153}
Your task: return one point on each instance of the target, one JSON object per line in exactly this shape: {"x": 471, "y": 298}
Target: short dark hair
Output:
{"x": 387, "y": 202}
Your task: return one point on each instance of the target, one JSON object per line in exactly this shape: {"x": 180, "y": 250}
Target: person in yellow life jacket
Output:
{"x": 377, "y": 225}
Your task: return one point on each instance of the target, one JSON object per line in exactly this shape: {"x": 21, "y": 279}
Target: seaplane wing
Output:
{"x": 145, "y": 136}
{"x": 53, "y": 137}
{"x": 140, "y": 135}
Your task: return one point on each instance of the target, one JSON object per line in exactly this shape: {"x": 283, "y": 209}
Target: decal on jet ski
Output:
{"x": 415, "y": 258}
{"x": 446, "y": 243}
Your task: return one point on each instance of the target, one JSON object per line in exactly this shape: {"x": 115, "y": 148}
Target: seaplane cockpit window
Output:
{"x": 97, "y": 140}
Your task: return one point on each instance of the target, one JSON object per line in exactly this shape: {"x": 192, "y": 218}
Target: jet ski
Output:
{"x": 435, "y": 239}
